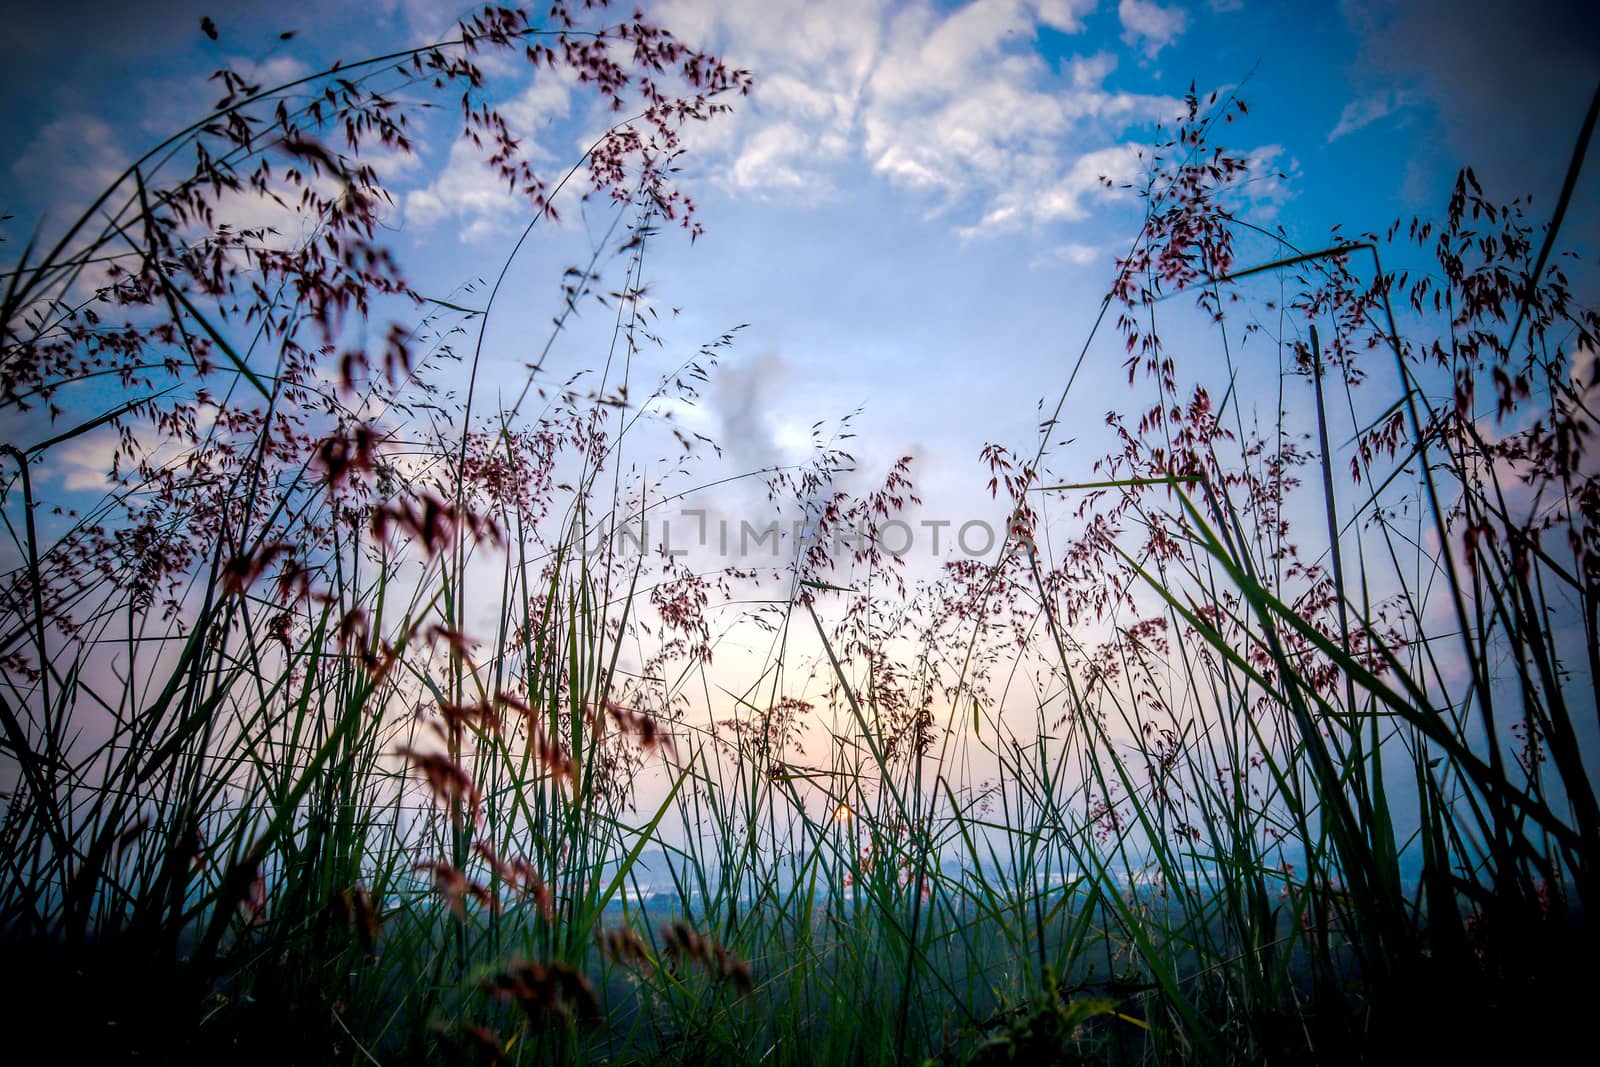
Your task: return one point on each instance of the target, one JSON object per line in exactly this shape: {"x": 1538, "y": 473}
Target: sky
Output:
{"x": 907, "y": 212}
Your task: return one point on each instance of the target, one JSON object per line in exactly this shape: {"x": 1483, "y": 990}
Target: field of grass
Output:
{"x": 329, "y": 736}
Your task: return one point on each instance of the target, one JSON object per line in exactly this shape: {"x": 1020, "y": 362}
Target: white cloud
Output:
{"x": 547, "y": 99}
{"x": 1149, "y": 26}
{"x": 1065, "y": 15}
{"x": 1073, "y": 252}
{"x": 271, "y": 72}
{"x": 1087, "y": 73}
{"x": 85, "y": 463}
{"x": 956, "y": 106}
{"x": 75, "y": 158}
{"x": 1096, "y": 175}
{"x": 1366, "y": 110}
{"x": 69, "y": 163}
{"x": 468, "y": 193}
{"x": 774, "y": 158}
{"x": 1270, "y": 182}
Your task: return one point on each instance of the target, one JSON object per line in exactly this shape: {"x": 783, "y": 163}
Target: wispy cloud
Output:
{"x": 1364, "y": 111}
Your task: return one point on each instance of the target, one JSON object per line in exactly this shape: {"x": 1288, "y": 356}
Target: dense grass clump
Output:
{"x": 346, "y": 727}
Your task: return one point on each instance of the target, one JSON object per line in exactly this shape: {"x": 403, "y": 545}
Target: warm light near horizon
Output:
{"x": 843, "y": 813}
